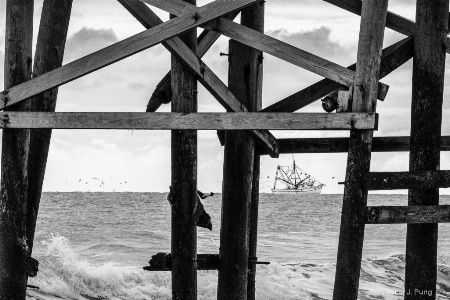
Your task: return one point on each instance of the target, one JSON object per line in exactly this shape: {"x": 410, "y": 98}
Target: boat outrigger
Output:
{"x": 293, "y": 179}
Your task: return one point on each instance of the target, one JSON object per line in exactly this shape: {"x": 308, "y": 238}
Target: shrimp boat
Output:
{"x": 293, "y": 179}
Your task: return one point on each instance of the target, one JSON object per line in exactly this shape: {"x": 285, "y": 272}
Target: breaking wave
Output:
{"x": 65, "y": 274}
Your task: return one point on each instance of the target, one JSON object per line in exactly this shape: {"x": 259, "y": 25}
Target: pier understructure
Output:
{"x": 28, "y": 117}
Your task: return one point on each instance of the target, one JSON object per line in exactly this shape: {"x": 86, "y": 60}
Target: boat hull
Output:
{"x": 317, "y": 191}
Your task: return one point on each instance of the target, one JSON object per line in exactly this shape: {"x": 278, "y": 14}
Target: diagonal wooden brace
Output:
{"x": 271, "y": 46}
{"x": 119, "y": 51}
{"x": 393, "y": 21}
{"x": 392, "y": 57}
{"x": 209, "y": 80}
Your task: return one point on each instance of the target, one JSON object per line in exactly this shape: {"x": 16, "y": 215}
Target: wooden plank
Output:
{"x": 52, "y": 35}
{"x": 351, "y": 236}
{"x": 393, "y": 21}
{"x": 245, "y": 81}
{"x": 405, "y": 214}
{"x": 184, "y": 177}
{"x": 407, "y": 180}
{"x": 14, "y": 252}
{"x": 338, "y": 145}
{"x": 426, "y": 119}
{"x": 197, "y": 121}
{"x": 289, "y": 53}
{"x": 204, "y": 74}
{"x": 253, "y": 228}
{"x": 118, "y": 51}
{"x": 276, "y": 48}
{"x": 392, "y": 57}
{"x": 161, "y": 93}
{"x": 163, "y": 262}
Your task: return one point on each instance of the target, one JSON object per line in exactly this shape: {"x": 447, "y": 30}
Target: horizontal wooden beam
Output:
{"x": 340, "y": 145}
{"x": 204, "y": 74}
{"x": 407, "y": 180}
{"x": 119, "y": 51}
{"x": 163, "y": 262}
{"x": 197, "y": 121}
{"x": 393, "y": 21}
{"x": 405, "y": 214}
{"x": 273, "y": 47}
{"x": 392, "y": 57}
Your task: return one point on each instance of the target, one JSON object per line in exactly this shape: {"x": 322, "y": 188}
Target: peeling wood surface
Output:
{"x": 198, "y": 121}
{"x": 405, "y": 214}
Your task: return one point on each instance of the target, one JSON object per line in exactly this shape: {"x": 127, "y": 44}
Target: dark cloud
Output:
{"x": 88, "y": 40}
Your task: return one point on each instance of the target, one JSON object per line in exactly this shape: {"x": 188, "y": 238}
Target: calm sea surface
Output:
{"x": 94, "y": 245}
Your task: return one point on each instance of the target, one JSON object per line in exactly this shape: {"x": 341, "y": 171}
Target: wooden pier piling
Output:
{"x": 49, "y": 55}
{"x": 28, "y": 117}
{"x": 365, "y": 89}
{"x": 14, "y": 248}
{"x": 184, "y": 180}
{"x": 426, "y": 118}
{"x": 245, "y": 82}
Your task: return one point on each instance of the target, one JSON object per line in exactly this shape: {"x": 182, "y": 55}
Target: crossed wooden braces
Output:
{"x": 211, "y": 18}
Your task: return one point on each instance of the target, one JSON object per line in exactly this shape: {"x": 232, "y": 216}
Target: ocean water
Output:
{"x": 94, "y": 245}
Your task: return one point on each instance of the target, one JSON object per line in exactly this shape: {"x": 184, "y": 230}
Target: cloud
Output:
{"x": 316, "y": 41}
{"x": 86, "y": 41}
{"x": 282, "y": 79}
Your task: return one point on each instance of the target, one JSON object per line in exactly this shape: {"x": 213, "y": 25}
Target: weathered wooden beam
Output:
{"x": 393, "y": 21}
{"x": 275, "y": 47}
{"x": 163, "y": 262}
{"x": 195, "y": 121}
{"x": 184, "y": 176}
{"x": 14, "y": 251}
{"x": 118, "y": 51}
{"x": 245, "y": 80}
{"x": 426, "y": 119}
{"x": 392, "y": 57}
{"x": 204, "y": 74}
{"x": 405, "y": 214}
{"x": 407, "y": 180}
{"x": 162, "y": 91}
{"x": 48, "y": 56}
{"x": 253, "y": 228}
{"x": 289, "y": 53}
{"x": 337, "y": 145}
{"x": 351, "y": 236}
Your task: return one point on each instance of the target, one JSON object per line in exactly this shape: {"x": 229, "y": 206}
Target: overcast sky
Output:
{"x": 139, "y": 161}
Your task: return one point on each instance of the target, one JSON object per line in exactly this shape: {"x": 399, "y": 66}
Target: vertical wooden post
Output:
{"x": 245, "y": 82}
{"x": 351, "y": 238}
{"x": 253, "y": 235}
{"x": 48, "y": 56}
{"x": 13, "y": 198}
{"x": 426, "y": 119}
{"x": 184, "y": 180}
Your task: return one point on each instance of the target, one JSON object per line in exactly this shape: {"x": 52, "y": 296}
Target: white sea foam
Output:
{"x": 64, "y": 274}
